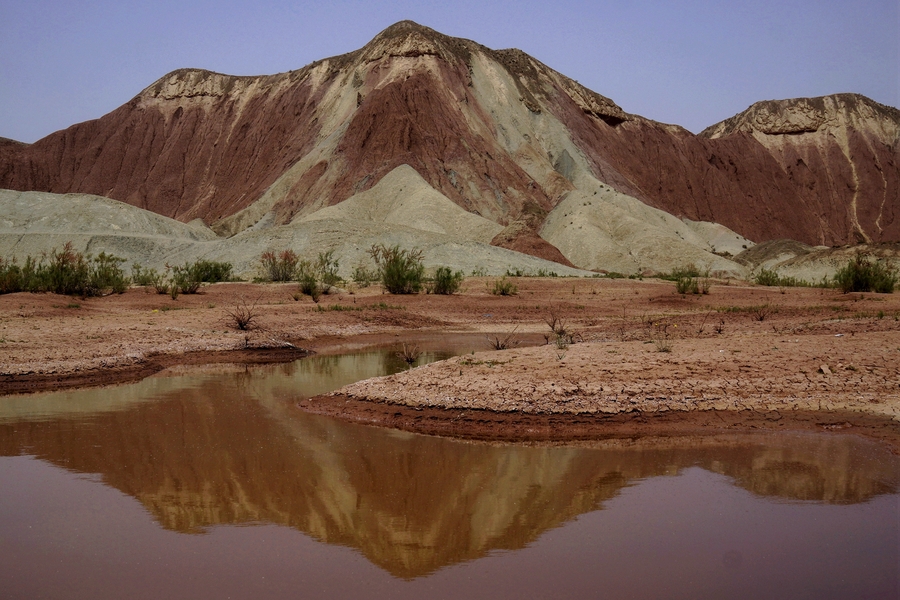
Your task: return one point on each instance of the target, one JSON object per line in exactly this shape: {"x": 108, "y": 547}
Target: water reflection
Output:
{"x": 229, "y": 447}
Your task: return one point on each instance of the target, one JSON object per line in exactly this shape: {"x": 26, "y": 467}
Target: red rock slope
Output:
{"x": 497, "y": 132}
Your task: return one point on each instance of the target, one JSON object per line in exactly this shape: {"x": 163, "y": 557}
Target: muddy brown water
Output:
{"x": 209, "y": 483}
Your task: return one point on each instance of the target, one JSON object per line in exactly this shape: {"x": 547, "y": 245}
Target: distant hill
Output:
{"x": 495, "y": 132}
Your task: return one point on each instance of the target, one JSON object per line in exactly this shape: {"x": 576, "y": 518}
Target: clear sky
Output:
{"x": 690, "y": 62}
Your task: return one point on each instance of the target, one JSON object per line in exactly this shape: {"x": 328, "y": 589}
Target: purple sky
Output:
{"x": 693, "y": 63}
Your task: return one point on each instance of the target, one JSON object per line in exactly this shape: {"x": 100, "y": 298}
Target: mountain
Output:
{"x": 497, "y": 133}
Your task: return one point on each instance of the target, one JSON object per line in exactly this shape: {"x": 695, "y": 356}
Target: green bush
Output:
{"x": 306, "y": 277}
{"x": 363, "y": 277}
{"x": 327, "y": 270}
{"x": 687, "y": 285}
{"x": 280, "y": 267}
{"x": 188, "y": 278}
{"x": 504, "y": 287}
{"x": 209, "y": 271}
{"x": 862, "y": 275}
{"x": 14, "y": 278}
{"x": 769, "y": 277}
{"x": 445, "y": 281}
{"x": 401, "y": 271}
{"x": 66, "y": 272}
{"x": 107, "y": 274}
{"x": 689, "y": 280}
{"x": 689, "y": 271}
{"x": 185, "y": 280}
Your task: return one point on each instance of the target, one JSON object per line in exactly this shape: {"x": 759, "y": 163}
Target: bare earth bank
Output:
{"x": 641, "y": 359}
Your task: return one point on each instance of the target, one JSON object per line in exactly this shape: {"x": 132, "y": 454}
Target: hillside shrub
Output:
{"x": 400, "y": 271}
{"x": 364, "y": 277}
{"x": 769, "y": 277}
{"x": 306, "y": 277}
{"x": 107, "y": 274}
{"x": 862, "y": 275}
{"x": 210, "y": 271}
{"x": 65, "y": 272}
{"x": 445, "y": 281}
{"x": 689, "y": 280}
{"x": 327, "y": 270}
{"x": 504, "y": 287}
{"x": 281, "y": 266}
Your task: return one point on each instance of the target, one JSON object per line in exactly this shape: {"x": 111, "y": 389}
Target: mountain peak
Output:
{"x": 806, "y": 115}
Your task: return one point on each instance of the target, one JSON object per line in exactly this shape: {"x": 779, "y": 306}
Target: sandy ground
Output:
{"x": 741, "y": 356}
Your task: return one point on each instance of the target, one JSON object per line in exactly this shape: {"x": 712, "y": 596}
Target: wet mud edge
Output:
{"x": 487, "y": 425}
{"x": 42, "y": 382}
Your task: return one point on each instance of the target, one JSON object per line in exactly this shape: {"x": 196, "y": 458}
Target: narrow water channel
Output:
{"x": 209, "y": 483}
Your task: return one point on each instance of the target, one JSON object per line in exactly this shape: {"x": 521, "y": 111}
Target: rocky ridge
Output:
{"x": 496, "y": 132}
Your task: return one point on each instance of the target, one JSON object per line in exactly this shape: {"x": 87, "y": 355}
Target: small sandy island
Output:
{"x": 635, "y": 358}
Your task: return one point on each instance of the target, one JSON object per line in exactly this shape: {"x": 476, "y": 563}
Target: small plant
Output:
{"x": 690, "y": 280}
{"x": 560, "y": 334}
{"x": 661, "y": 337}
{"x": 401, "y": 271}
{"x": 409, "y": 353}
{"x": 862, "y": 275}
{"x": 243, "y": 314}
{"x": 445, "y": 281}
{"x": 306, "y": 277}
{"x": 719, "y": 327}
{"x": 364, "y": 277}
{"x": 107, "y": 274}
{"x": 279, "y": 267}
{"x": 686, "y": 285}
{"x": 769, "y": 277}
{"x": 327, "y": 270}
{"x": 66, "y": 272}
{"x": 184, "y": 279}
{"x": 761, "y": 312}
{"x": 209, "y": 271}
{"x": 504, "y": 287}
{"x": 142, "y": 276}
{"x": 503, "y": 342}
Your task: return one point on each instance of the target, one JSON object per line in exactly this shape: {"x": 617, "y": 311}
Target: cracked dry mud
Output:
{"x": 817, "y": 359}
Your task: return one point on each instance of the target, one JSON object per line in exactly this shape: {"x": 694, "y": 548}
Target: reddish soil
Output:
{"x": 811, "y": 359}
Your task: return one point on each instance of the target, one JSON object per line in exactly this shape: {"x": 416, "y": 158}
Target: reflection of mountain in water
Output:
{"x": 234, "y": 450}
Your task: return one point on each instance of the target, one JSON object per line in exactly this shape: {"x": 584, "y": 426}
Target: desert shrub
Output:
{"x": 210, "y": 271}
{"x": 769, "y": 277}
{"x": 281, "y": 266}
{"x": 243, "y": 315}
{"x": 862, "y": 275}
{"x": 306, "y": 277}
{"x": 107, "y": 274}
{"x": 327, "y": 270}
{"x": 149, "y": 278}
{"x": 66, "y": 272}
{"x": 143, "y": 276}
{"x": 401, "y": 271}
{"x": 689, "y": 280}
{"x": 445, "y": 281}
{"x": 504, "y": 287}
{"x": 687, "y": 285}
{"x": 15, "y": 278}
{"x": 185, "y": 279}
{"x": 504, "y": 342}
{"x": 689, "y": 271}
{"x": 189, "y": 277}
{"x": 364, "y": 277}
